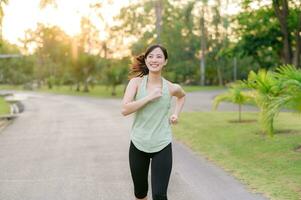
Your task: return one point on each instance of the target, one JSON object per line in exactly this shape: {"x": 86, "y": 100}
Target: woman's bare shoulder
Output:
{"x": 136, "y": 80}
{"x": 175, "y": 89}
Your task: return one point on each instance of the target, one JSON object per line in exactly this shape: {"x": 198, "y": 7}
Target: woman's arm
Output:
{"x": 129, "y": 105}
{"x": 179, "y": 93}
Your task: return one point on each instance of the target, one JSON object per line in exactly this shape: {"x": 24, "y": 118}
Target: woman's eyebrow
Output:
{"x": 152, "y": 54}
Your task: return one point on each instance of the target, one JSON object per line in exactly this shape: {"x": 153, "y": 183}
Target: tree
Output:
{"x": 266, "y": 88}
{"x": 235, "y": 95}
{"x": 282, "y": 21}
{"x": 203, "y": 43}
{"x": 259, "y": 32}
{"x": 2, "y": 4}
{"x": 158, "y": 7}
{"x": 116, "y": 73}
{"x": 289, "y": 81}
{"x": 53, "y": 52}
{"x": 15, "y": 70}
{"x": 282, "y": 11}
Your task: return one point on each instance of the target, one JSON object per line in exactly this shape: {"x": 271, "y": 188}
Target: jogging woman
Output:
{"x": 148, "y": 95}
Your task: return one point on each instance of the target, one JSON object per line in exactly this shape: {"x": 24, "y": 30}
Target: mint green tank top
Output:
{"x": 151, "y": 131}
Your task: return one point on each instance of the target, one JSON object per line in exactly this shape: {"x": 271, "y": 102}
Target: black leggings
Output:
{"x": 160, "y": 171}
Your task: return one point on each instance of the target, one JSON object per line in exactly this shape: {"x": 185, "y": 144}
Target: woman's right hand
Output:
{"x": 155, "y": 94}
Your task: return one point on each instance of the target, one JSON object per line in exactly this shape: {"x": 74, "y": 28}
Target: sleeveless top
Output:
{"x": 151, "y": 130}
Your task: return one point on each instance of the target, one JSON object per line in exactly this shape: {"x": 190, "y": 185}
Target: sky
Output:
{"x": 21, "y": 15}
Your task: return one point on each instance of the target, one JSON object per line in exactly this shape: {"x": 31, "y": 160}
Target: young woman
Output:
{"x": 149, "y": 95}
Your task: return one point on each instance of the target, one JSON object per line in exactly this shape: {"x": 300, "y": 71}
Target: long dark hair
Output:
{"x": 138, "y": 66}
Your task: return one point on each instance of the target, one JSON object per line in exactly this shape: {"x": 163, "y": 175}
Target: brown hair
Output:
{"x": 138, "y": 66}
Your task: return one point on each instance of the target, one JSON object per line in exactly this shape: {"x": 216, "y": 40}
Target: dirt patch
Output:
{"x": 243, "y": 121}
{"x": 298, "y": 149}
{"x": 287, "y": 132}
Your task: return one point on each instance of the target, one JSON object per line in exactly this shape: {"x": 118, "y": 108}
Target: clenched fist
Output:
{"x": 173, "y": 119}
{"x": 155, "y": 94}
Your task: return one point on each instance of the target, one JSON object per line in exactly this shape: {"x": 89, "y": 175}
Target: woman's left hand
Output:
{"x": 173, "y": 119}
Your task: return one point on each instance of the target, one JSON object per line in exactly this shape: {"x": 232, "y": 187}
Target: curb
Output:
{"x": 16, "y": 107}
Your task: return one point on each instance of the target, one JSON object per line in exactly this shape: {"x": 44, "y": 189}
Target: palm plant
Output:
{"x": 289, "y": 79}
{"x": 235, "y": 95}
{"x": 266, "y": 89}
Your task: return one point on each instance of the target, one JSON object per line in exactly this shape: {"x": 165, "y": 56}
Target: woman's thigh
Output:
{"x": 139, "y": 166}
{"x": 160, "y": 172}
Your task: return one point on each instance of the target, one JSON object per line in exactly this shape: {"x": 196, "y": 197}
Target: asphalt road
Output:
{"x": 76, "y": 148}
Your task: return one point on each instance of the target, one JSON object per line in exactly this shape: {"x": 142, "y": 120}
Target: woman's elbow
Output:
{"x": 182, "y": 96}
{"x": 124, "y": 112}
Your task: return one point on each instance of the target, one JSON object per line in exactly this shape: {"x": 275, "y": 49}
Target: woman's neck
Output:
{"x": 154, "y": 78}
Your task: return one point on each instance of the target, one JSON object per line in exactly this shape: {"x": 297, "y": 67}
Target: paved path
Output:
{"x": 76, "y": 148}
{"x": 202, "y": 101}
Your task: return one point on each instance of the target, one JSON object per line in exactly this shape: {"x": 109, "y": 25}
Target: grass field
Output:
{"x": 96, "y": 91}
{"x": 100, "y": 90}
{"x": 4, "y": 107}
{"x": 195, "y": 88}
{"x": 267, "y": 165}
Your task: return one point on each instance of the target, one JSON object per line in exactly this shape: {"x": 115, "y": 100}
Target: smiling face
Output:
{"x": 155, "y": 60}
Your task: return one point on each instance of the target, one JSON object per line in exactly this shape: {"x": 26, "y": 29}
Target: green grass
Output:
{"x": 96, "y": 91}
{"x": 10, "y": 87}
{"x": 101, "y": 90}
{"x": 4, "y": 107}
{"x": 266, "y": 165}
{"x": 195, "y": 88}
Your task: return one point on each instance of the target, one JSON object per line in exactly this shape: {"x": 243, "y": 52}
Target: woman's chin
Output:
{"x": 154, "y": 70}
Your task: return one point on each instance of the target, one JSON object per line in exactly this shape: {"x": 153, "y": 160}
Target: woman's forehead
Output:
{"x": 156, "y": 51}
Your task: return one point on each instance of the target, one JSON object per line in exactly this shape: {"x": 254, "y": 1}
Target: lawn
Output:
{"x": 10, "y": 87}
{"x": 267, "y": 165}
{"x": 4, "y": 107}
{"x": 96, "y": 91}
{"x": 100, "y": 90}
{"x": 195, "y": 88}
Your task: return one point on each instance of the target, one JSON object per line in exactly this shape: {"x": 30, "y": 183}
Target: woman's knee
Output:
{"x": 140, "y": 194}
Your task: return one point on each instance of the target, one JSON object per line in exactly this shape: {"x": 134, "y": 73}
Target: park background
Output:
{"x": 211, "y": 44}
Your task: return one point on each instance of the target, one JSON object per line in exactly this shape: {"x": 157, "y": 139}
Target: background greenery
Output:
{"x": 198, "y": 35}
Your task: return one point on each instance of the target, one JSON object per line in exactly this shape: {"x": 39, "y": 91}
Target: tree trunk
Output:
{"x": 77, "y": 87}
{"x": 158, "y": 7}
{"x": 219, "y": 73}
{"x": 113, "y": 90}
{"x": 217, "y": 22}
{"x": 86, "y": 85}
{"x": 203, "y": 47}
{"x": 239, "y": 112}
{"x": 281, "y": 10}
{"x": 234, "y": 69}
{"x": 298, "y": 43}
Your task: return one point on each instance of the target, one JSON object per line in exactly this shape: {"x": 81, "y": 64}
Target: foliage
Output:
{"x": 274, "y": 91}
{"x": 236, "y": 95}
{"x": 116, "y": 73}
